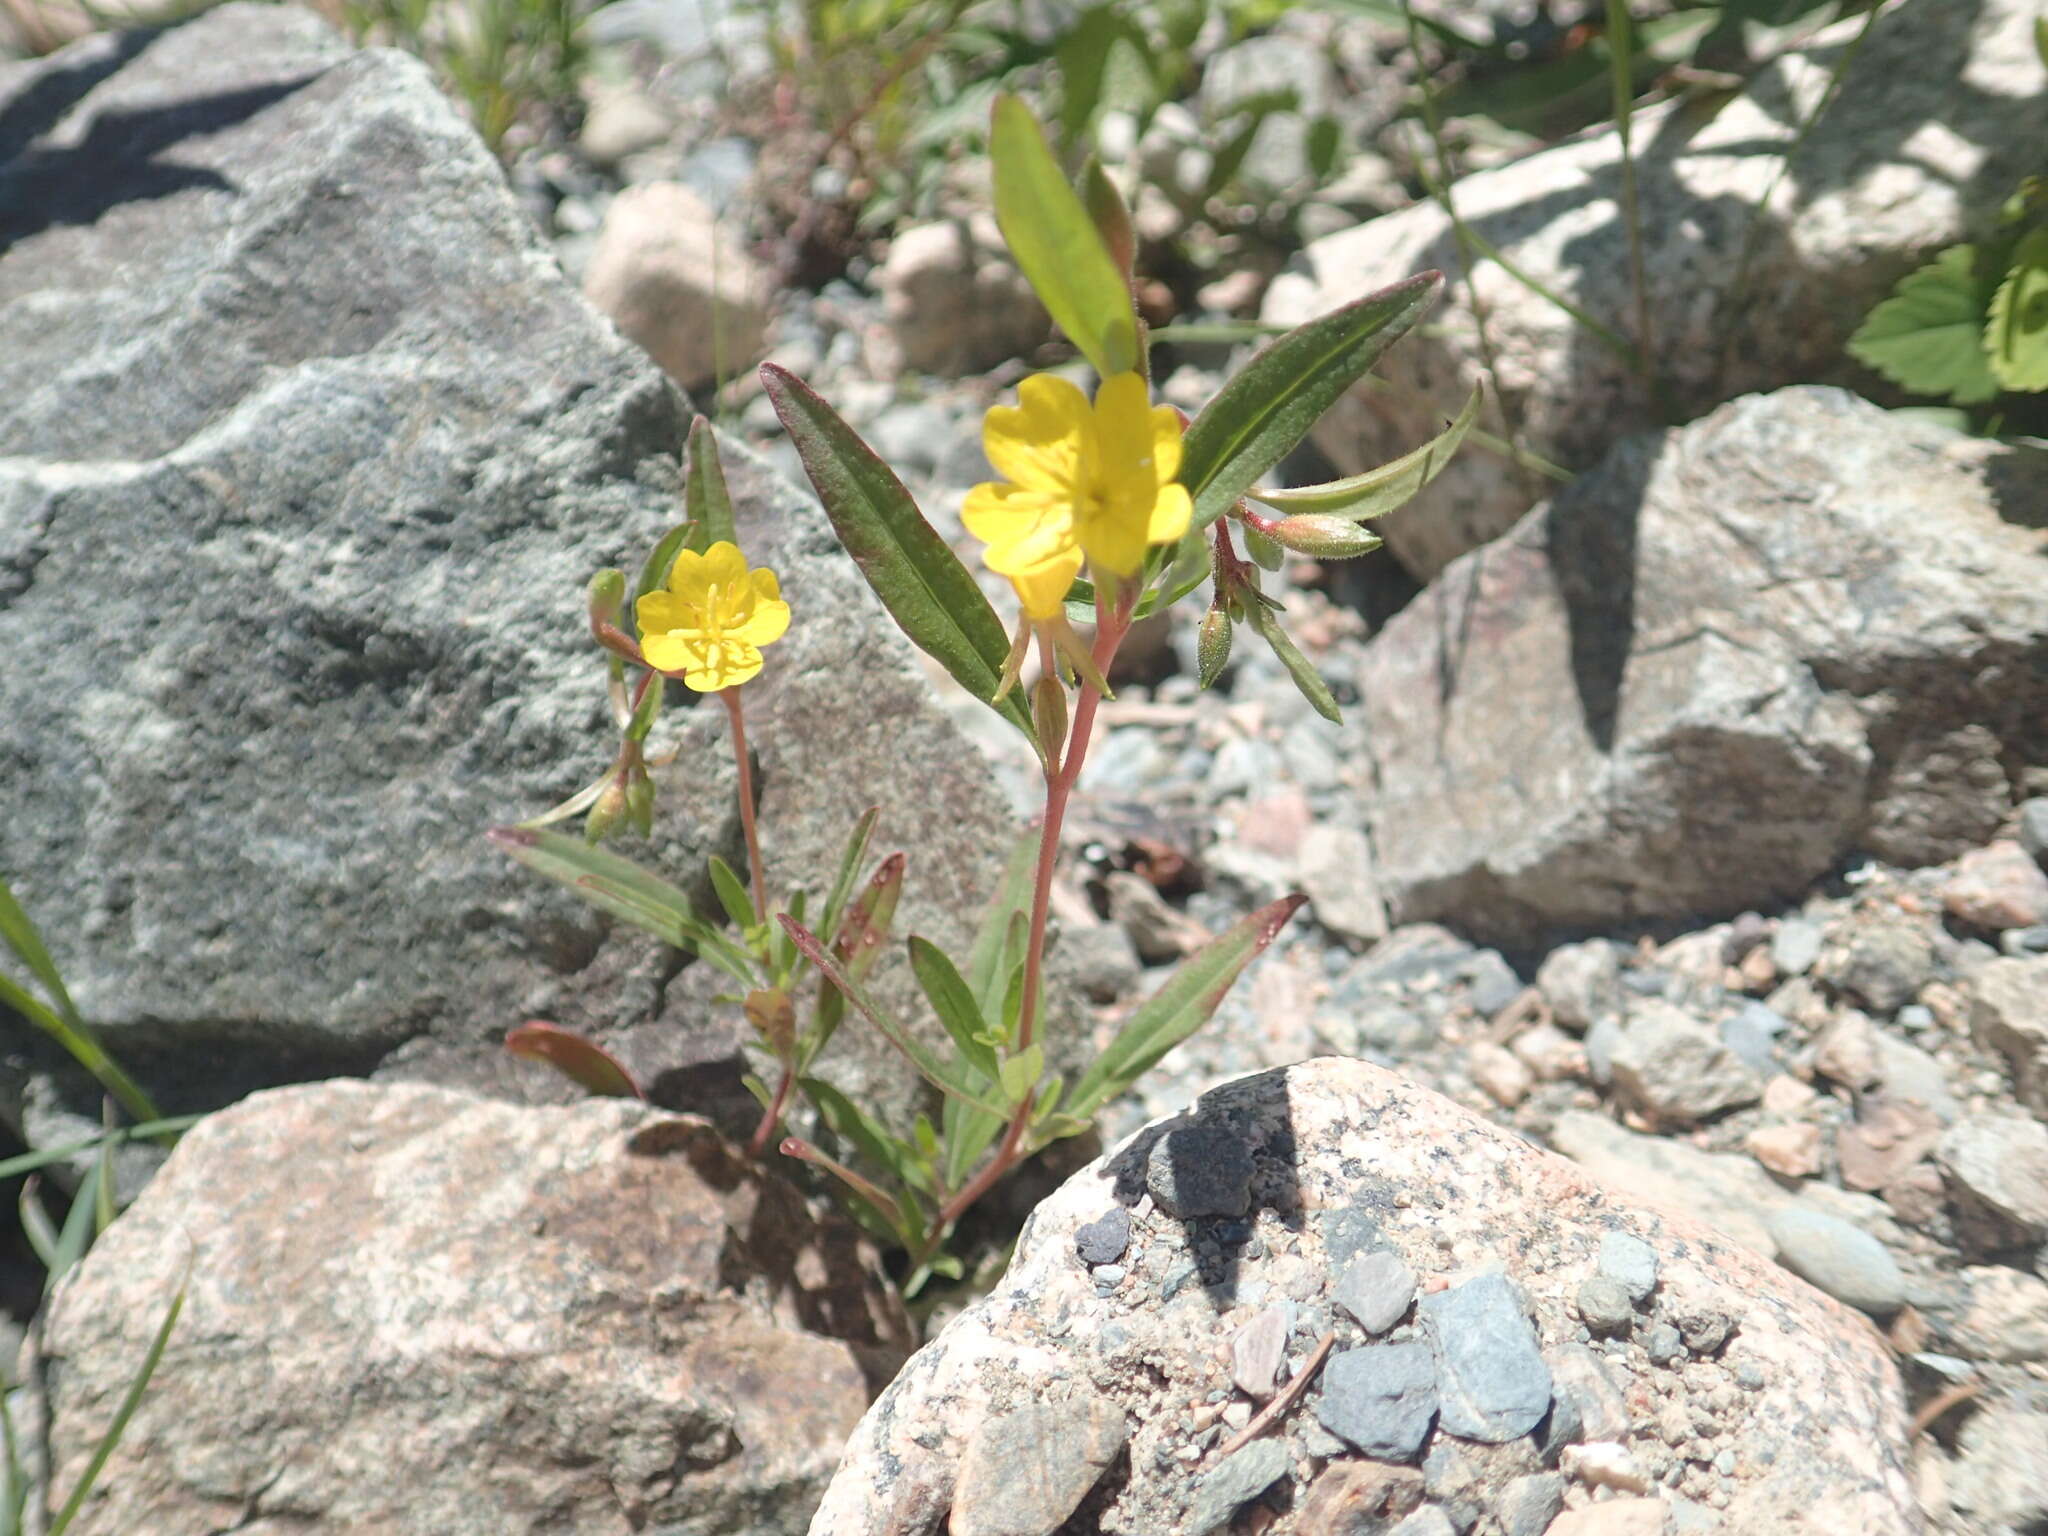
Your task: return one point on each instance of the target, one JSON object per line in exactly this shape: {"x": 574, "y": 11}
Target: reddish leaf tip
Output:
{"x": 513, "y": 837}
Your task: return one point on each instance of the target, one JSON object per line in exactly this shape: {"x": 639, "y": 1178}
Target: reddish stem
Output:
{"x": 772, "y": 1116}
{"x": 731, "y": 698}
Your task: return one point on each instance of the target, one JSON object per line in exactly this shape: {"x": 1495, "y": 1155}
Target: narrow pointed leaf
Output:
{"x": 989, "y": 958}
{"x": 865, "y": 928}
{"x": 935, "y": 1069}
{"x": 654, "y": 569}
{"x": 849, "y": 868}
{"x": 705, "y": 498}
{"x": 1299, "y": 667}
{"x": 852, "y": 1125}
{"x": 928, "y": 592}
{"x": 77, "y": 1234}
{"x": 732, "y": 894}
{"x": 20, "y": 935}
{"x": 1055, "y": 243}
{"x": 1179, "y": 1008}
{"x": 45, "y": 1157}
{"x": 954, "y": 1003}
{"x": 1268, "y": 407}
{"x": 1379, "y": 491}
{"x": 582, "y": 1061}
{"x": 969, "y": 1132}
{"x": 82, "y": 1044}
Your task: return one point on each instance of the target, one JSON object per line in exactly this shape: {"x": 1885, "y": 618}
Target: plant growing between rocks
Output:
{"x": 1108, "y": 510}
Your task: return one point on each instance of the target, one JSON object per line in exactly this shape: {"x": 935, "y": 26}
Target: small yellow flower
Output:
{"x": 1080, "y": 482}
{"x": 713, "y": 620}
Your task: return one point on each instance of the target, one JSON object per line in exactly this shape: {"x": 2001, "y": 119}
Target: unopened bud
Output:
{"x": 640, "y": 800}
{"x": 603, "y": 816}
{"x": 1265, "y": 554}
{"x": 1325, "y": 537}
{"x": 1212, "y": 646}
{"x": 607, "y": 597}
{"x": 1049, "y": 714}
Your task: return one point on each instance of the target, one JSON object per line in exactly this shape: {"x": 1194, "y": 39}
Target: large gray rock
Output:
{"x": 306, "y": 452}
{"x": 414, "y": 1311}
{"x": 1343, "y": 1152}
{"x": 1703, "y": 674}
{"x": 1938, "y": 117}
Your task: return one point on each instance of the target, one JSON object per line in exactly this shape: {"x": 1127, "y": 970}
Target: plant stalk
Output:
{"x": 771, "y": 1117}
{"x": 731, "y": 698}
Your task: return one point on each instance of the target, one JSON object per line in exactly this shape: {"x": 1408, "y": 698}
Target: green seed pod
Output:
{"x": 1325, "y": 537}
{"x": 603, "y": 817}
{"x": 1212, "y": 647}
{"x": 1266, "y": 554}
{"x": 1049, "y": 713}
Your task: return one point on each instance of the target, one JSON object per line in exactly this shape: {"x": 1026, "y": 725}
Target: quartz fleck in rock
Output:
{"x": 1494, "y": 1383}
{"x": 1376, "y": 1289}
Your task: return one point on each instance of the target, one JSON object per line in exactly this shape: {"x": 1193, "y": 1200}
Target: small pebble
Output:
{"x": 1109, "y": 1276}
{"x": 1631, "y": 1263}
{"x": 1381, "y": 1398}
{"x": 1528, "y": 1504}
{"x": 1256, "y": 1351}
{"x": 1430, "y": 1520}
{"x": 1795, "y": 946}
{"x": 1495, "y": 1383}
{"x": 1604, "y": 1306}
{"x": 1664, "y": 1345}
{"x": 1200, "y": 1170}
{"x": 1748, "y": 1375}
{"x": 1376, "y": 1289}
{"x": 2034, "y": 828}
{"x": 1844, "y": 1261}
{"x": 1236, "y": 1481}
{"x": 1103, "y": 1240}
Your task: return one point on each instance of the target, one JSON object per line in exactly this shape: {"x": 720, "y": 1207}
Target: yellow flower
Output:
{"x": 713, "y": 620}
{"x": 1079, "y": 482}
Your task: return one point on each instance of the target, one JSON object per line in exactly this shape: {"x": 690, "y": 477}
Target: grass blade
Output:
{"x": 20, "y": 935}
{"x": 84, "y": 1048}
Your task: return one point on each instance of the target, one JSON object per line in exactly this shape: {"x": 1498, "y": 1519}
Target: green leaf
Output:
{"x": 20, "y": 935}
{"x": 615, "y": 884}
{"x": 83, "y": 1046}
{"x": 1265, "y": 550}
{"x": 928, "y": 592}
{"x": 1379, "y": 491}
{"x": 44, "y": 1157}
{"x": 954, "y": 1003}
{"x": 852, "y": 1125}
{"x": 582, "y": 1061}
{"x": 78, "y": 1230}
{"x": 654, "y": 569}
{"x": 130, "y": 1401}
{"x": 732, "y": 895}
{"x": 1021, "y": 1072}
{"x": 1179, "y": 1008}
{"x": 2016, "y": 338}
{"x": 935, "y": 1069}
{"x": 36, "y": 1225}
{"x": 1928, "y": 337}
{"x": 1306, "y": 677}
{"x": 1268, "y": 407}
{"x": 849, "y": 869}
{"x": 968, "y": 1132}
{"x": 1055, "y": 243}
{"x": 705, "y": 497}
{"x": 998, "y": 941}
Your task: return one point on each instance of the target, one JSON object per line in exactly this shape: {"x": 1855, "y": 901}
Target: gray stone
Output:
{"x": 1492, "y": 1377}
{"x": 1237, "y": 1480}
{"x": 526, "y": 1320}
{"x": 1581, "y": 1379}
{"x": 1997, "y": 1172}
{"x": 1414, "y": 954}
{"x": 1348, "y": 1231}
{"x": 1795, "y": 946}
{"x": 1257, "y": 1350}
{"x": 2021, "y": 942}
{"x": 1911, "y": 1075}
{"x": 1200, "y": 1170}
{"x": 1859, "y": 206}
{"x": 1376, "y": 1289}
{"x": 1604, "y": 1306}
{"x": 1336, "y": 872}
{"x": 1845, "y": 1262}
{"x": 2009, "y": 1018}
{"x": 1580, "y": 982}
{"x": 1491, "y": 982}
{"x": 1371, "y": 1023}
{"x": 1601, "y": 1041}
{"x": 1670, "y": 768}
{"x": 1629, "y": 1262}
{"x": 1430, "y": 1520}
{"x": 1664, "y": 1344}
{"x": 1881, "y": 964}
{"x": 2033, "y": 828}
{"x": 1101, "y": 960}
{"x": 2004, "y": 1319}
{"x": 1529, "y": 1503}
{"x": 1997, "y": 887}
{"x": 1381, "y": 1398}
{"x": 374, "y": 446}
{"x": 1751, "y": 1032}
{"x": 1997, "y": 1476}
{"x": 1104, "y": 1240}
{"x": 1675, "y": 1069}
{"x": 1027, "y": 1470}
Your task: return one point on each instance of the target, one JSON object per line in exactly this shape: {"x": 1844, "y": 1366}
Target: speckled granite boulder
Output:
{"x": 1743, "y": 1399}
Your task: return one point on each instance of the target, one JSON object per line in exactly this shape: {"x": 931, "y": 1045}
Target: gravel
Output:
{"x": 1380, "y": 1398}
{"x": 1494, "y": 1382}
{"x": 1844, "y": 1261}
{"x": 1376, "y": 1289}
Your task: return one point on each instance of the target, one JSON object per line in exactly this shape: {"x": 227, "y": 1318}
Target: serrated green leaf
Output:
{"x": 1928, "y": 337}
{"x": 1379, "y": 491}
{"x": 1055, "y": 244}
{"x": 1306, "y": 677}
{"x": 1179, "y": 1008}
{"x": 928, "y": 592}
{"x": 2016, "y": 336}
{"x": 582, "y": 1061}
{"x": 1257, "y": 418}
{"x": 705, "y": 497}
{"x": 954, "y": 1003}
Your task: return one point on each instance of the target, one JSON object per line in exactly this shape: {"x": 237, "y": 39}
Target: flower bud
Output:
{"x": 1049, "y": 714}
{"x": 603, "y": 816}
{"x": 1325, "y": 537}
{"x": 1212, "y": 647}
{"x": 1110, "y": 215}
{"x": 640, "y": 800}
{"x": 1266, "y": 554}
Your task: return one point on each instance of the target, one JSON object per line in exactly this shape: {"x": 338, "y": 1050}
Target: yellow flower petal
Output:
{"x": 687, "y": 579}
{"x": 1171, "y": 515}
{"x": 658, "y": 611}
{"x": 671, "y": 651}
{"x": 767, "y": 587}
{"x": 1041, "y": 590}
{"x": 1115, "y": 543}
{"x": 767, "y": 622}
{"x": 724, "y": 565}
{"x": 1041, "y": 445}
{"x": 725, "y": 664}
{"x": 1166, "y": 444}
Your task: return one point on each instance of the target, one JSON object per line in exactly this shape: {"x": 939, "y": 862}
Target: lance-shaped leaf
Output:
{"x": 654, "y": 569}
{"x": 1000, "y": 937}
{"x": 849, "y": 867}
{"x": 582, "y": 1061}
{"x": 705, "y": 498}
{"x": 1257, "y": 418}
{"x": 942, "y": 1074}
{"x": 1179, "y": 1008}
{"x": 928, "y": 592}
{"x": 1306, "y": 678}
{"x": 871, "y": 1206}
{"x": 1055, "y": 243}
{"x": 954, "y": 1003}
{"x": 1377, "y": 492}
{"x": 617, "y": 885}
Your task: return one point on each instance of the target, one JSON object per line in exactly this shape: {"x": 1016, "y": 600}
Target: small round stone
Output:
{"x": 1664, "y": 1345}
{"x": 1604, "y": 1305}
{"x": 1103, "y": 1240}
{"x": 1200, "y": 1170}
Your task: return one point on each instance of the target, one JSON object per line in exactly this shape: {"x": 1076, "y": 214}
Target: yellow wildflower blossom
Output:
{"x": 1080, "y": 482}
{"x": 711, "y": 622}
